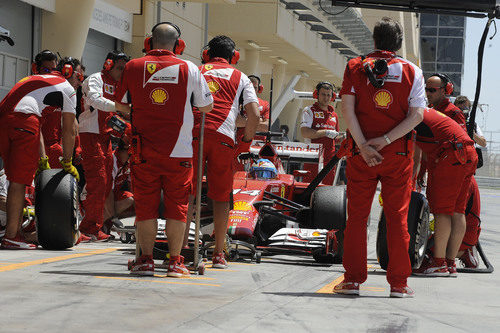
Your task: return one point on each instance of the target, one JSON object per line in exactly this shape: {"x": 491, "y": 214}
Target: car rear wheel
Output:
{"x": 56, "y": 209}
{"x": 418, "y": 228}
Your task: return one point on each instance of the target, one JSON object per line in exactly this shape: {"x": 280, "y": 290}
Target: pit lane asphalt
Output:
{"x": 88, "y": 289}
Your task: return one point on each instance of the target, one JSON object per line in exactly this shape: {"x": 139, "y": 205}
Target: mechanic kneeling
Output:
{"x": 163, "y": 90}
{"x": 384, "y": 112}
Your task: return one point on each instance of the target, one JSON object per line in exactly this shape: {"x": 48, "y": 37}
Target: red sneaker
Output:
{"x": 347, "y": 288}
{"x": 469, "y": 259}
{"x": 99, "y": 237}
{"x": 16, "y": 243}
{"x": 83, "y": 239}
{"x": 176, "y": 267}
{"x": 432, "y": 267}
{"x": 402, "y": 292}
{"x": 144, "y": 266}
{"x": 452, "y": 267}
{"x": 219, "y": 261}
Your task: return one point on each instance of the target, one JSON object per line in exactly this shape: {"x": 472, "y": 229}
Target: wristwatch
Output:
{"x": 387, "y": 139}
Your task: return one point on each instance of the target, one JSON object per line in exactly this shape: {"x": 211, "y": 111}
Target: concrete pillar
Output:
{"x": 292, "y": 114}
{"x": 66, "y": 30}
{"x": 251, "y": 62}
{"x": 142, "y": 25}
{"x": 279, "y": 73}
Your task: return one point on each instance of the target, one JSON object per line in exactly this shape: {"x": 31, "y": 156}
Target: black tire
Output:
{"x": 56, "y": 209}
{"x": 418, "y": 228}
{"x": 329, "y": 207}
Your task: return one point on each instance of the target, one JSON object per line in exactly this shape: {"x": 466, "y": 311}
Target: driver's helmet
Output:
{"x": 263, "y": 169}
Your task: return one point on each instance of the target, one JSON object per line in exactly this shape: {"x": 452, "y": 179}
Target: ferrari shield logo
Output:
{"x": 209, "y": 67}
{"x": 151, "y": 68}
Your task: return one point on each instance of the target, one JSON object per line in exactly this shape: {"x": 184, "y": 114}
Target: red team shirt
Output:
{"x": 227, "y": 85}
{"x": 452, "y": 111}
{"x": 163, "y": 90}
{"x": 20, "y": 114}
{"x": 32, "y": 94}
{"x": 264, "y": 114}
{"x": 152, "y": 82}
{"x": 449, "y": 180}
{"x": 388, "y": 106}
{"x": 315, "y": 118}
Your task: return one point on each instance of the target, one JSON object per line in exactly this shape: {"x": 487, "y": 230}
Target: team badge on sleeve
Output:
{"x": 209, "y": 67}
{"x": 151, "y": 68}
{"x": 109, "y": 88}
{"x": 159, "y": 96}
{"x": 383, "y": 99}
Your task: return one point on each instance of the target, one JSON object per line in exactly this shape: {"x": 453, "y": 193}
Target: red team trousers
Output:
{"x": 98, "y": 165}
{"x": 394, "y": 173}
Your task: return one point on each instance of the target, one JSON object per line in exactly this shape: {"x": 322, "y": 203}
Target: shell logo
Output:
{"x": 213, "y": 86}
{"x": 242, "y": 205}
{"x": 159, "y": 96}
{"x": 316, "y": 233}
{"x": 383, "y": 99}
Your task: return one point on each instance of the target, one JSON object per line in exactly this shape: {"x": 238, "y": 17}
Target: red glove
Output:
{"x": 242, "y": 146}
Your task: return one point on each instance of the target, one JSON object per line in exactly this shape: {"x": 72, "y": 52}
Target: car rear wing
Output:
{"x": 292, "y": 151}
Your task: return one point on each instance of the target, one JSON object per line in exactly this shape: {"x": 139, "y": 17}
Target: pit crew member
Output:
{"x": 320, "y": 124}
{"x": 437, "y": 87}
{"x": 99, "y": 105}
{"x": 383, "y": 99}
{"x": 241, "y": 121}
{"x": 463, "y": 103}
{"x": 120, "y": 198}
{"x": 162, "y": 141}
{"x": 451, "y": 162}
{"x": 226, "y": 84}
{"x": 467, "y": 254}
{"x": 21, "y": 144}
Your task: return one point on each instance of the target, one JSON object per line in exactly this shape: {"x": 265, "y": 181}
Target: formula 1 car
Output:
{"x": 276, "y": 213}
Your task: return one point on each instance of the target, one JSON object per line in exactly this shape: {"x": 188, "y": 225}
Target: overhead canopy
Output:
{"x": 452, "y": 7}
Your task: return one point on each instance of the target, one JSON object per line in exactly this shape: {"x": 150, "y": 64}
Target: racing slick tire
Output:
{"x": 328, "y": 205}
{"x": 56, "y": 209}
{"x": 418, "y": 228}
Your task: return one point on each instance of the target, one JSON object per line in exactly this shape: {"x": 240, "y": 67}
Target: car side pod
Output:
{"x": 418, "y": 228}
{"x": 56, "y": 209}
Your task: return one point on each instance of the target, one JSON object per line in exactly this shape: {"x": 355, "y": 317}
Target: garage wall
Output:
{"x": 96, "y": 48}
{"x": 15, "y": 16}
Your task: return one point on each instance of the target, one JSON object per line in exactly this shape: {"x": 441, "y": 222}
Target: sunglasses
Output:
{"x": 432, "y": 90}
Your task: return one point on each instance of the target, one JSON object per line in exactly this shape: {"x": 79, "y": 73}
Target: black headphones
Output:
{"x": 179, "y": 45}
{"x": 376, "y": 70}
{"x": 45, "y": 55}
{"x": 320, "y": 85}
